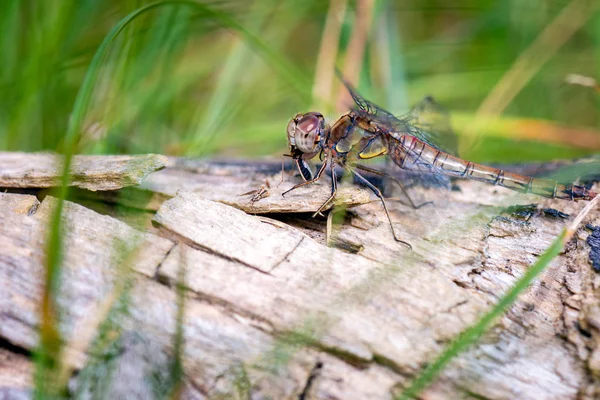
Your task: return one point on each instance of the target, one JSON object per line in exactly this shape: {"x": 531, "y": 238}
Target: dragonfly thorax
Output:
{"x": 304, "y": 133}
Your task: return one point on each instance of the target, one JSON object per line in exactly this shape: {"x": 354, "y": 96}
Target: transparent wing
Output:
{"x": 427, "y": 120}
{"x": 364, "y": 104}
{"x": 430, "y": 122}
{"x": 421, "y": 178}
{"x": 430, "y": 174}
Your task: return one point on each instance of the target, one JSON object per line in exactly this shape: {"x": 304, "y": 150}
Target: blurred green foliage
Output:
{"x": 177, "y": 82}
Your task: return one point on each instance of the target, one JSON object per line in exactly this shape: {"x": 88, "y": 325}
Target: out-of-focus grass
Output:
{"x": 178, "y": 83}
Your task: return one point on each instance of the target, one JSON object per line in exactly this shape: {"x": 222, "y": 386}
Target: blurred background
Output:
{"x": 178, "y": 82}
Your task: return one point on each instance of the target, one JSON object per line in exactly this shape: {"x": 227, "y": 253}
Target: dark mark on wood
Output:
{"x": 594, "y": 241}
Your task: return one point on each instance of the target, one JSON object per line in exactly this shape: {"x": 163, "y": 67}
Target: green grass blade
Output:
{"x": 49, "y": 353}
{"x": 176, "y": 368}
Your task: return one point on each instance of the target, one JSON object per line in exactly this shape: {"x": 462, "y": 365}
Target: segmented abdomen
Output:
{"x": 410, "y": 153}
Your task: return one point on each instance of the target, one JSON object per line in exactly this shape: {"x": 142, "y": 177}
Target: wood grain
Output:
{"x": 43, "y": 170}
{"x": 270, "y": 304}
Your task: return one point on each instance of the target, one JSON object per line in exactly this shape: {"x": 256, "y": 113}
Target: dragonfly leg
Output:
{"x": 316, "y": 178}
{"x": 333, "y": 190}
{"x": 388, "y": 176}
{"x": 282, "y": 169}
{"x": 377, "y": 192}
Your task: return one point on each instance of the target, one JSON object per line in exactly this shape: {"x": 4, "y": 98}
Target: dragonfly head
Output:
{"x": 304, "y": 133}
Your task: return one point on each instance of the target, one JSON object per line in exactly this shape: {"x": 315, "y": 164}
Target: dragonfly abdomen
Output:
{"x": 541, "y": 187}
{"x": 411, "y": 153}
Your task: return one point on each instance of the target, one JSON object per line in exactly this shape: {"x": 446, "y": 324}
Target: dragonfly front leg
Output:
{"x": 377, "y": 192}
{"x": 388, "y": 176}
{"x": 333, "y": 190}
{"x": 316, "y": 178}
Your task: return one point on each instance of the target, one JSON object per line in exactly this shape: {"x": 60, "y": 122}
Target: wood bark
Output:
{"x": 272, "y": 312}
{"x": 44, "y": 170}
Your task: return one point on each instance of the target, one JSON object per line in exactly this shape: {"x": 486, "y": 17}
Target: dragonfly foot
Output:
{"x": 318, "y": 213}
{"x": 403, "y": 242}
{"x": 423, "y": 204}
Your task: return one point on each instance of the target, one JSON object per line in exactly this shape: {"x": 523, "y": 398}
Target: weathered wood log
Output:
{"x": 43, "y": 170}
{"x": 218, "y": 342}
{"x": 272, "y": 312}
{"x": 257, "y": 191}
{"x": 240, "y": 185}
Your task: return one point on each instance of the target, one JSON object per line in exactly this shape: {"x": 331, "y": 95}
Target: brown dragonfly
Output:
{"x": 369, "y": 131}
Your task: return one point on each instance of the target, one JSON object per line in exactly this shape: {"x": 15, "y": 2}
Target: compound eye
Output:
{"x": 308, "y": 129}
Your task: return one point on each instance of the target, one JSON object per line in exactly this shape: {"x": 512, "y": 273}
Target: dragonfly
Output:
{"x": 420, "y": 140}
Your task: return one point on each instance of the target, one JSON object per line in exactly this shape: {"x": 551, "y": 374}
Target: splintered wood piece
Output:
{"x": 305, "y": 200}
{"x": 19, "y": 204}
{"x": 336, "y": 296}
{"x": 239, "y": 190}
{"x": 220, "y": 345}
{"x": 227, "y": 231}
{"x": 43, "y": 170}
{"x": 90, "y": 239}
